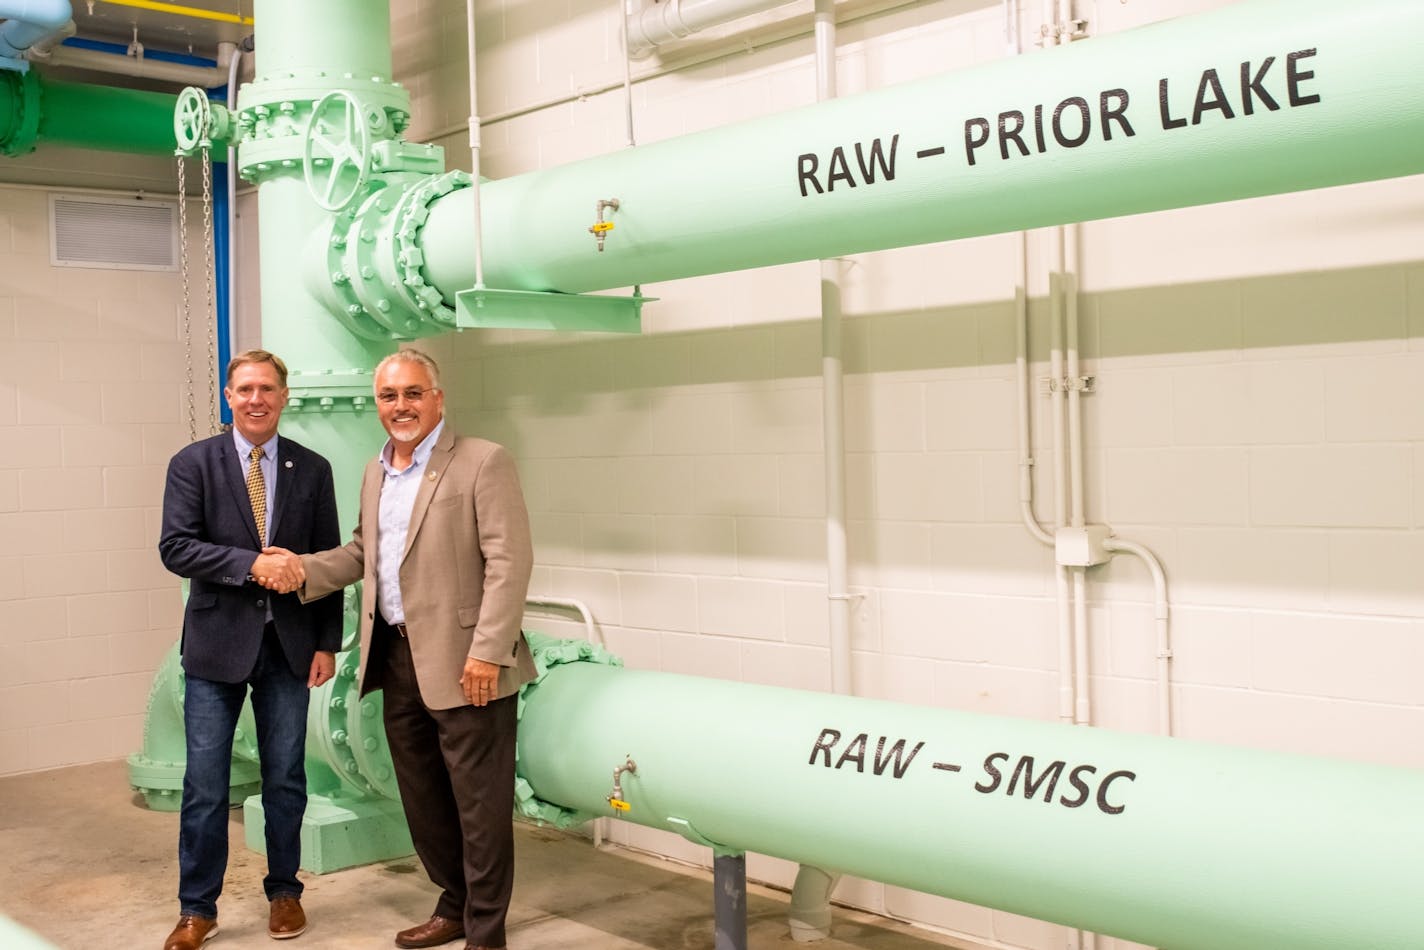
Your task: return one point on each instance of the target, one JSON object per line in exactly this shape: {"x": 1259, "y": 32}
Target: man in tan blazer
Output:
{"x": 442, "y": 545}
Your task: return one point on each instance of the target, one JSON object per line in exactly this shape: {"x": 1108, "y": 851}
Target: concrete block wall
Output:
{"x": 1256, "y": 423}
{"x": 91, "y": 407}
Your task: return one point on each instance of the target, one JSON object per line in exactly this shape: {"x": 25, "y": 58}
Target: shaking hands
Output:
{"x": 279, "y": 569}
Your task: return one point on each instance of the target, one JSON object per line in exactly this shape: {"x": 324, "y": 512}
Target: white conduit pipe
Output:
{"x": 475, "y": 148}
{"x": 810, "y": 914}
{"x": 590, "y": 632}
{"x": 1161, "y": 620}
{"x": 204, "y": 77}
{"x": 1083, "y": 711}
{"x": 1057, "y": 405}
{"x": 1021, "y": 374}
{"x": 833, "y": 408}
{"x": 627, "y": 73}
{"x": 1068, "y": 289}
{"x": 234, "y": 54}
{"x": 656, "y": 22}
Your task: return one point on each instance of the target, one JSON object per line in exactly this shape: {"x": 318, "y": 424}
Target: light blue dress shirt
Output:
{"x": 398, "y": 492}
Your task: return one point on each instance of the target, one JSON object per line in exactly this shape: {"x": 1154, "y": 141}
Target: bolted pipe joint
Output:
{"x": 366, "y": 264}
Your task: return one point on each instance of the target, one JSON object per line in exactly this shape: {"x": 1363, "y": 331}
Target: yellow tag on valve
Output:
{"x": 601, "y": 227}
{"x": 619, "y": 804}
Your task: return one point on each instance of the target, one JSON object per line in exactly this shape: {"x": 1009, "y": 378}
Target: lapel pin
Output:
{"x": 432, "y": 476}
{"x": 289, "y": 464}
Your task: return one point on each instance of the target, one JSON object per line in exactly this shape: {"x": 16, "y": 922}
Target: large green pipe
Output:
{"x": 34, "y": 109}
{"x": 1163, "y": 841}
{"x": 1345, "y": 81}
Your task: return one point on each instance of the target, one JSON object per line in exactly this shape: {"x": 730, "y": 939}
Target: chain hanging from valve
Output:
{"x": 193, "y": 122}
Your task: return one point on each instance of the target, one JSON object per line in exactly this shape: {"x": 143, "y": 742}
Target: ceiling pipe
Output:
{"x": 656, "y": 23}
{"x": 144, "y": 67}
{"x": 28, "y": 22}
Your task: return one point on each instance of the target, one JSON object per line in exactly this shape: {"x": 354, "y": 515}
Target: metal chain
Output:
{"x": 187, "y": 307}
{"x": 208, "y": 272}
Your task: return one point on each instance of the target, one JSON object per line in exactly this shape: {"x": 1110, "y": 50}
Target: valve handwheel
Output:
{"x": 192, "y": 120}
{"x": 337, "y": 138}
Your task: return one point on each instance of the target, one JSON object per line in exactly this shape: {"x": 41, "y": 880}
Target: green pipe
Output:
{"x": 34, "y": 110}
{"x": 15, "y": 937}
{"x": 1333, "y": 95}
{"x": 1162, "y": 841}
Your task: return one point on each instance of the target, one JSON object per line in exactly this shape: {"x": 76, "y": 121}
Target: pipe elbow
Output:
{"x": 27, "y": 22}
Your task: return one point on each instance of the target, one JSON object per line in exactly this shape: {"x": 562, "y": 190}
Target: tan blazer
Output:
{"x": 465, "y": 571}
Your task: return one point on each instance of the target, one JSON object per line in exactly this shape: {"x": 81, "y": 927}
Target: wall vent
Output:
{"x": 125, "y": 233}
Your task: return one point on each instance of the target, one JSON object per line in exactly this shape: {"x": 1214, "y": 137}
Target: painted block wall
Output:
{"x": 1257, "y": 423}
{"x": 91, "y": 408}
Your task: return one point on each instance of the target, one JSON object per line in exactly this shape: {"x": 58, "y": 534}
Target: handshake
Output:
{"x": 279, "y": 569}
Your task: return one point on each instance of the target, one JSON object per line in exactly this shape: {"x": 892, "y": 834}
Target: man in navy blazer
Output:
{"x": 231, "y": 505}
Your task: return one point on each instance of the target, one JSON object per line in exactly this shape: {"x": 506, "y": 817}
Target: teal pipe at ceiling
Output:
{"x": 1163, "y": 841}
{"x": 1331, "y": 93}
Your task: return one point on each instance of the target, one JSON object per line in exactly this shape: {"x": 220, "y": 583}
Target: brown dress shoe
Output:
{"x": 286, "y": 919}
{"x": 191, "y": 933}
{"x": 432, "y": 933}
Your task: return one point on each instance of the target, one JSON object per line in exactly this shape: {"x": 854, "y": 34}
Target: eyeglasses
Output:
{"x": 388, "y": 397}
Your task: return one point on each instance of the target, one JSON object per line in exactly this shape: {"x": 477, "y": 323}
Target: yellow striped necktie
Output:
{"x": 257, "y": 493}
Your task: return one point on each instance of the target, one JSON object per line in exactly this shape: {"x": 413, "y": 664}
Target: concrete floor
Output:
{"x": 86, "y": 866}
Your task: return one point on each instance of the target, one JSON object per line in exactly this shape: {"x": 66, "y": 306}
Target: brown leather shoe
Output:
{"x": 434, "y": 932}
{"x": 191, "y": 933}
{"x": 286, "y": 920}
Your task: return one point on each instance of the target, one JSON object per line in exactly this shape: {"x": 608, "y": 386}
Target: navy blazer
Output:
{"x": 210, "y": 537}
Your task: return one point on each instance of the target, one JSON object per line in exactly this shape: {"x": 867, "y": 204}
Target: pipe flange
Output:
{"x": 328, "y": 391}
{"x": 349, "y": 307}
{"x": 21, "y": 140}
{"x": 412, "y": 215}
{"x": 549, "y": 652}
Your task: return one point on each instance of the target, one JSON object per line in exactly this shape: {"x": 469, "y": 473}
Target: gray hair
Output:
{"x": 411, "y": 355}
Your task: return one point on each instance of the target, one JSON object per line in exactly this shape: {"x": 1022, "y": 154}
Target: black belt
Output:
{"x": 397, "y": 627}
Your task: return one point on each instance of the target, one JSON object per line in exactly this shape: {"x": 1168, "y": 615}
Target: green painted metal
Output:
{"x": 486, "y": 308}
{"x": 156, "y": 771}
{"x": 15, "y": 937}
{"x": 35, "y": 110}
{"x": 731, "y": 198}
{"x": 1162, "y": 841}
{"x": 310, "y": 50}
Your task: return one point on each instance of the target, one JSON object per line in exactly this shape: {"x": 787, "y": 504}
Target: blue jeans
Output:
{"x": 210, "y": 711}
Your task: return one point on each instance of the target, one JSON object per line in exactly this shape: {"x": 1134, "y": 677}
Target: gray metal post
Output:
{"x": 729, "y": 885}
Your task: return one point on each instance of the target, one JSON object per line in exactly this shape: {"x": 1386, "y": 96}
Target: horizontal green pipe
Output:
{"x": 106, "y": 118}
{"x": 34, "y": 109}
{"x": 1345, "y": 80}
{"x": 1163, "y": 841}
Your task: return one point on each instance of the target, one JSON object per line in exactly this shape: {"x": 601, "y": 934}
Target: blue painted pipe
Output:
{"x": 157, "y": 55}
{"x": 222, "y": 239}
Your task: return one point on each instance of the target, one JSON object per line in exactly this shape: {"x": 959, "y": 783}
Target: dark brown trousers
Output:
{"x": 455, "y": 770}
